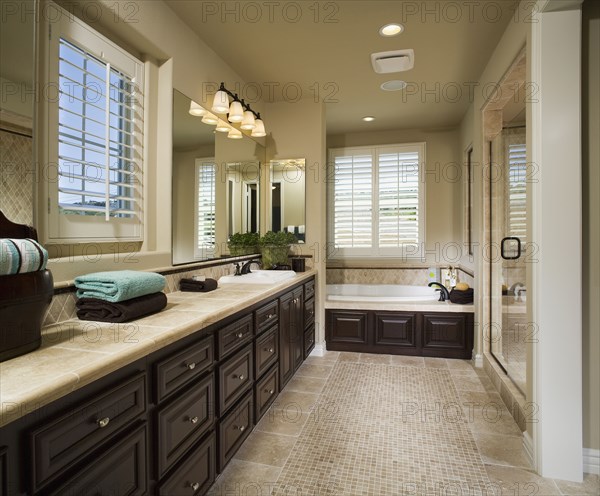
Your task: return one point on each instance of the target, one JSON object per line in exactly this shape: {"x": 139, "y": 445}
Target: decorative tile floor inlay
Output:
{"x": 385, "y": 430}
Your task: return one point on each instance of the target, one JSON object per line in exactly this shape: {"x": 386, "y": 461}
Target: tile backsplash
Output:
{"x": 404, "y": 276}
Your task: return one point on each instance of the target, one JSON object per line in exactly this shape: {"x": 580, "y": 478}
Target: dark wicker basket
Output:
{"x": 24, "y": 299}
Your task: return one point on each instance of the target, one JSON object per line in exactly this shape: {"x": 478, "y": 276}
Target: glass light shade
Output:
{"x": 248, "y": 121}
{"x": 259, "y": 129}
{"x": 220, "y": 103}
{"x": 235, "y": 134}
{"x": 196, "y": 109}
{"x": 210, "y": 119}
{"x": 223, "y": 127}
{"x": 236, "y": 112}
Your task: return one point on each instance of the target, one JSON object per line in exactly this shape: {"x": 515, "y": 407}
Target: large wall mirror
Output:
{"x": 216, "y": 184}
{"x": 17, "y": 60}
{"x": 287, "y": 209}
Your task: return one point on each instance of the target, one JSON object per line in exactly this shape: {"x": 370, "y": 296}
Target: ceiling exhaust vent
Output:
{"x": 395, "y": 61}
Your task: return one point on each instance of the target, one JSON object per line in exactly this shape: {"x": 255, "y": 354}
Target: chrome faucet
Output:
{"x": 246, "y": 267}
{"x": 444, "y": 295}
{"x": 517, "y": 288}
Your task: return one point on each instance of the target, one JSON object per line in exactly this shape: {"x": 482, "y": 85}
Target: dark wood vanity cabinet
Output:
{"x": 433, "y": 334}
{"x": 168, "y": 423}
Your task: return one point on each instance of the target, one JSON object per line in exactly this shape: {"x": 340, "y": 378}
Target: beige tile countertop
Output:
{"x": 75, "y": 353}
{"x": 413, "y": 306}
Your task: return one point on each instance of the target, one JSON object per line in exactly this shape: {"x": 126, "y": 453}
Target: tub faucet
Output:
{"x": 444, "y": 295}
{"x": 246, "y": 267}
{"x": 517, "y": 288}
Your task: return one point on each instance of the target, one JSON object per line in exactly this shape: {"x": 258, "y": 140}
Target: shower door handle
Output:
{"x": 503, "y": 245}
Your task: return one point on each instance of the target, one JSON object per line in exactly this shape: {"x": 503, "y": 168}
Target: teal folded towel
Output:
{"x": 18, "y": 256}
{"x": 118, "y": 285}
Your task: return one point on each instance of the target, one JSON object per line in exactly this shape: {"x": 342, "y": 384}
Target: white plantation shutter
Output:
{"x": 352, "y": 193}
{"x": 398, "y": 199}
{"x": 376, "y": 201}
{"x": 205, "y": 207}
{"x": 517, "y": 191}
{"x": 94, "y": 137}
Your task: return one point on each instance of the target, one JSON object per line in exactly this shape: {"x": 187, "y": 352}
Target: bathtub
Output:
{"x": 381, "y": 293}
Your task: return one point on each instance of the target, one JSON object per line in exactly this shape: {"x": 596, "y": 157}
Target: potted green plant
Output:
{"x": 243, "y": 243}
{"x": 275, "y": 248}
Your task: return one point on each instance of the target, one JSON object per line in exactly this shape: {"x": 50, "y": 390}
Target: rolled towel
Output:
{"x": 105, "y": 311}
{"x": 19, "y": 256}
{"x": 198, "y": 286}
{"x": 118, "y": 285}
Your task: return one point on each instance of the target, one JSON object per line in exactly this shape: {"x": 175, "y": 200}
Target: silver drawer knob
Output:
{"x": 270, "y": 316}
{"x": 191, "y": 365}
{"x": 271, "y": 350}
{"x": 194, "y": 420}
{"x": 241, "y": 428}
{"x": 242, "y": 377}
{"x": 240, "y": 335}
{"x": 195, "y": 485}
{"x": 270, "y": 391}
{"x": 103, "y": 422}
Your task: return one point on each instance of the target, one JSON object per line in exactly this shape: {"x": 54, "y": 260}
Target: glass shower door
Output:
{"x": 509, "y": 336}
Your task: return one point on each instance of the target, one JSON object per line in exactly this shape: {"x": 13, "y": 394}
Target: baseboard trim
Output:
{"x": 591, "y": 461}
{"x": 319, "y": 350}
{"x": 477, "y": 360}
{"x": 528, "y": 447}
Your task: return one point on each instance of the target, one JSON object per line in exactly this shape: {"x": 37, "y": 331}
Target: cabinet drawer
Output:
{"x": 235, "y": 335}
{"x": 309, "y": 313}
{"x": 180, "y": 369}
{"x": 309, "y": 341}
{"x": 265, "y": 392}
{"x": 266, "y": 351}
{"x": 234, "y": 429}
{"x": 235, "y": 377}
{"x": 63, "y": 442}
{"x": 196, "y": 474}
{"x": 183, "y": 421}
{"x": 309, "y": 289}
{"x": 121, "y": 470}
{"x": 266, "y": 316}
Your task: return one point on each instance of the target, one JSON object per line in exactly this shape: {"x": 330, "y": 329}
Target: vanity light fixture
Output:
{"x": 368, "y": 118}
{"x": 223, "y": 127}
{"x": 210, "y": 119}
{"x": 391, "y": 29}
{"x": 248, "y": 122}
{"x": 259, "y": 129}
{"x": 235, "y": 134}
{"x": 196, "y": 110}
{"x": 238, "y": 111}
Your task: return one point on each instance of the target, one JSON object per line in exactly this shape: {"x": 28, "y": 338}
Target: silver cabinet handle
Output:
{"x": 240, "y": 335}
{"x": 270, "y": 316}
{"x": 194, "y": 420}
{"x": 270, "y": 391}
{"x": 191, "y": 365}
{"x": 241, "y": 377}
{"x": 241, "y": 428}
{"x": 103, "y": 422}
{"x": 195, "y": 486}
{"x": 271, "y": 350}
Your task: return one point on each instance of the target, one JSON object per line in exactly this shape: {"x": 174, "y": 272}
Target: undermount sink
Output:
{"x": 259, "y": 277}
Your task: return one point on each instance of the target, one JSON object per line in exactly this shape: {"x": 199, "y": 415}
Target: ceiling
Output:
{"x": 322, "y": 50}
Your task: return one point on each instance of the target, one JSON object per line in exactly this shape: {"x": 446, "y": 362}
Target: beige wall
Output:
{"x": 442, "y": 190}
{"x": 591, "y": 224}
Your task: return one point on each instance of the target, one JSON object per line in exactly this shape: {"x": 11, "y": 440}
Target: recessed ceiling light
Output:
{"x": 368, "y": 118}
{"x": 393, "y": 85}
{"x": 391, "y": 29}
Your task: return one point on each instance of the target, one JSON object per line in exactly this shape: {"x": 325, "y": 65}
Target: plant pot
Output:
{"x": 274, "y": 254}
{"x": 239, "y": 250}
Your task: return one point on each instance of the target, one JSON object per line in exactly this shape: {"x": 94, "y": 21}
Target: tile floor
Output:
{"x": 351, "y": 424}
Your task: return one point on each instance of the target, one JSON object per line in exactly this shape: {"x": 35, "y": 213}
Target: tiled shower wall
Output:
{"x": 404, "y": 276}
{"x": 63, "y": 303}
{"x": 16, "y": 177}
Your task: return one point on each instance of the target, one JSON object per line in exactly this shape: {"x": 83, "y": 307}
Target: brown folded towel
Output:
{"x": 124, "y": 311}
{"x": 198, "y": 286}
{"x": 461, "y": 297}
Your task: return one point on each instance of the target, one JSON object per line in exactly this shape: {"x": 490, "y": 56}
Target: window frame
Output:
{"x": 405, "y": 251}
{"x": 59, "y": 227}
